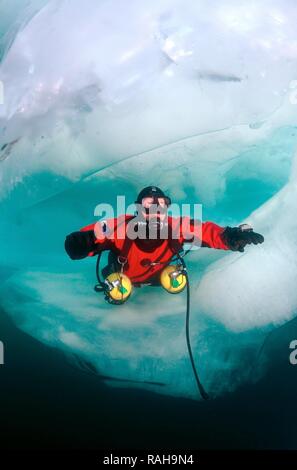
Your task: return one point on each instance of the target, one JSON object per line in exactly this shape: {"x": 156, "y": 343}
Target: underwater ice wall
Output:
{"x": 103, "y": 97}
{"x": 14, "y": 15}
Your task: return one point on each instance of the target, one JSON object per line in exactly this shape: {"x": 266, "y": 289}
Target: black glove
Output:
{"x": 238, "y": 237}
{"x": 79, "y": 244}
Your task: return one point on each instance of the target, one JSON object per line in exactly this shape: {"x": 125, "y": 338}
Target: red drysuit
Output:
{"x": 140, "y": 253}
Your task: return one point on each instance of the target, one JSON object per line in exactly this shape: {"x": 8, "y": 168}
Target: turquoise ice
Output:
{"x": 104, "y": 97}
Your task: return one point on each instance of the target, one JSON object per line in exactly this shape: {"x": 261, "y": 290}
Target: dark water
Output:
{"x": 48, "y": 404}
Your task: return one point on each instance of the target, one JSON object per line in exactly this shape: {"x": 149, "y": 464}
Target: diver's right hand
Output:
{"x": 79, "y": 244}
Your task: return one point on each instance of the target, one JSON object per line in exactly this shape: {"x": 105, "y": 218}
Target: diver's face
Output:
{"x": 154, "y": 208}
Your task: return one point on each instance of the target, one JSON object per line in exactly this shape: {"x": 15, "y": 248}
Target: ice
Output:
{"x": 103, "y": 98}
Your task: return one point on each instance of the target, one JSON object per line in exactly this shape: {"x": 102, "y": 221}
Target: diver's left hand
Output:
{"x": 238, "y": 237}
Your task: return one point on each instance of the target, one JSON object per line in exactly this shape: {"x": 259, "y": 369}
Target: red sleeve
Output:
{"x": 108, "y": 233}
{"x": 101, "y": 229}
{"x": 207, "y": 234}
{"x": 211, "y": 236}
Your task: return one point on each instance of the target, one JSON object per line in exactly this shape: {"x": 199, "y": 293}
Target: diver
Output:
{"x": 157, "y": 238}
{"x": 148, "y": 249}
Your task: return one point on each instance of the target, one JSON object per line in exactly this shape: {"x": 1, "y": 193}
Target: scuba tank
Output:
{"x": 173, "y": 278}
{"x": 118, "y": 287}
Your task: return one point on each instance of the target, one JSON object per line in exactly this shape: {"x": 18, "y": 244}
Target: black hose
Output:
{"x": 100, "y": 287}
{"x": 202, "y": 392}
